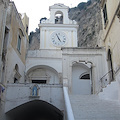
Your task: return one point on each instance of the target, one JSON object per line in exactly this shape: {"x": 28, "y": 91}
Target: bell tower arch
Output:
{"x": 59, "y": 9}
{"x": 58, "y": 31}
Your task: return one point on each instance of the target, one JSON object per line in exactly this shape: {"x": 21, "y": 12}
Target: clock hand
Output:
{"x": 58, "y": 37}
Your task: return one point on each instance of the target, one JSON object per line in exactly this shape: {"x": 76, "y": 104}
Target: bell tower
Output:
{"x": 59, "y": 11}
{"x": 58, "y": 31}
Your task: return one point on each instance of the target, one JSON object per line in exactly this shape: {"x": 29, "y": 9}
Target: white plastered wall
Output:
{"x": 10, "y": 68}
{"x": 95, "y": 57}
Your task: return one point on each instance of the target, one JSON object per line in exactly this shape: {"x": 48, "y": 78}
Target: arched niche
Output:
{"x": 34, "y": 90}
{"x": 43, "y": 75}
{"x": 58, "y": 17}
{"x": 17, "y": 75}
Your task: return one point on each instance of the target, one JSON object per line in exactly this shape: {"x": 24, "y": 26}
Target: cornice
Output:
{"x": 59, "y": 25}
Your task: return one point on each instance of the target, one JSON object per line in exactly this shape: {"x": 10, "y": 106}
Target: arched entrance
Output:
{"x": 81, "y": 79}
{"x": 35, "y": 110}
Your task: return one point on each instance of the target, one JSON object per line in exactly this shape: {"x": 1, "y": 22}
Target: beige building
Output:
{"x": 13, "y": 44}
{"x": 110, "y": 11}
{"x": 3, "y": 31}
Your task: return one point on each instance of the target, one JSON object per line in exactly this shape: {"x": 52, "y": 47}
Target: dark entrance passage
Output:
{"x": 35, "y": 110}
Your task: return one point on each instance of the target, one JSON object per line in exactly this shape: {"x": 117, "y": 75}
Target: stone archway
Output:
{"x": 81, "y": 79}
{"x": 35, "y": 110}
{"x": 43, "y": 74}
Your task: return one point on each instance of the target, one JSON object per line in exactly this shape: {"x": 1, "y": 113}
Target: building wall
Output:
{"x": 19, "y": 94}
{"x": 111, "y": 34}
{"x": 11, "y": 62}
{"x": 46, "y": 32}
{"x": 14, "y": 56}
{"x": 62, "y": 62}
{"x": 94, "y": 59}
{"x": 17, "y": 28}
{"x": 25, "y": 21}
{"x": 51, "y": 58}
{"x": 3, "y": 15}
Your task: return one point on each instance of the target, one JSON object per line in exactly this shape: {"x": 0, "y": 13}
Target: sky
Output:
{"x": 37, "y": 9}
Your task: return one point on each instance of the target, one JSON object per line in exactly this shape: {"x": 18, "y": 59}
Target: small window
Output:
{"x": 17, "y": 75}
{"x": 105, "y": 14}
{"x": 86, "y": 76}
{"x": 39, "y": 81}
{"x": 26, "y": 29}
{"x": 17, "y": 68}
{"x": 19, "y": 43}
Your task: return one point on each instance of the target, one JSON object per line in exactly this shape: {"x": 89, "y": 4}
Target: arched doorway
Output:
{"x": 35, "y": 110}
{"x": 81, "y": 79}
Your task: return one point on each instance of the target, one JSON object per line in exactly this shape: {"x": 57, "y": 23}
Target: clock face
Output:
{"x": 58, "y": 38}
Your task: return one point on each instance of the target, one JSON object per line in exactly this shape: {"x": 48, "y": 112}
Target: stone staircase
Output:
{"x": 110, "y": 92}
{"x": 91, "y": 107}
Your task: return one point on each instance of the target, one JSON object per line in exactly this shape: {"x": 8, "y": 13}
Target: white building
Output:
{"x": 55, "y": 71}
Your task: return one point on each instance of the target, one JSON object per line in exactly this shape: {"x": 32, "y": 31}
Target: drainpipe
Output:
{"x": 69, "y": 111}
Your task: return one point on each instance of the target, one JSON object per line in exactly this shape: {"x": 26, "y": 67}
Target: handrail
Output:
{"x": 106, "y": 74}
{"x": 104, "y": 81}
{"x": 69, "y": 111}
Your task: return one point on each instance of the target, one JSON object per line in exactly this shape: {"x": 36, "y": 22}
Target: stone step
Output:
{"x": 90, "y": 107}
{"x": 110, "y": 92}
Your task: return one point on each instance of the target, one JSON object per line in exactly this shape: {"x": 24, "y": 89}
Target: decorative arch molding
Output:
{"x": 42, "y": 74}
{"x": 41, "y": 66}
{"x": 84, "y": 74}
{"x": 33, "y": 66}
{"x": 87, "y": 64}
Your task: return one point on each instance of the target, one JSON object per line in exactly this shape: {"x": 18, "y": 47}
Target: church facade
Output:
{"x": 39, "y": 88}
{"x": 59, "y": 67}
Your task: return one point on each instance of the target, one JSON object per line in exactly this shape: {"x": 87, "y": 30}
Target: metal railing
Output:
{"x": 107, "y": 78}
